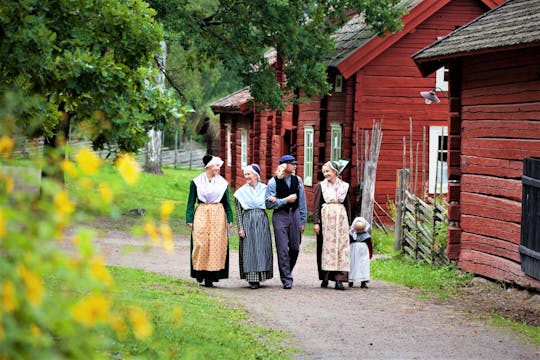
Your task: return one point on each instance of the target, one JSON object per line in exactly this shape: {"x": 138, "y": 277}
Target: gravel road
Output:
{"x": 386, "y": 321}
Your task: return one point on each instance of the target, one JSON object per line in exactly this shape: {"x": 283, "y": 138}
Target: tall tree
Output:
{"x": 88, "y": 62}
{"x": 237, "y": 33}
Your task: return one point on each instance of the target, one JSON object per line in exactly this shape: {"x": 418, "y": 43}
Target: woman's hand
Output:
{"x": 317, "y": 228}
{"x": 241, "y": 233}
{"x": 190, "y": 225}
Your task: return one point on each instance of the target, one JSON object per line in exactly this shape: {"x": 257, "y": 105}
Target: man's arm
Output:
{"x": 302, "y": 202}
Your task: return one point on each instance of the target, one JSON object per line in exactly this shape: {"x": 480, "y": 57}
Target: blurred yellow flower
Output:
{"x": 64, "y": 206}
{"x": 88, "y": 161}
{"x": 99, "y": 271}
{"x": 118, "y": 325}
{"x": 3, "y": 224}
{"x": 128, "y": 168}
{"x": 166, "y": 232}
{"x": 34, "y": 285}
{"x": 106, "y": 193}
{"x": 35, "y": 330}
{"x": 9, "y": 300}
{"x": 142, "y": 328}
{"x": 167, "y": 208}
{"x": 177, "y": 315}
{"x": 87, "y": 183}
{"x": 6, "y": 146}
{"x": 10, "y": 185}
{"x": 92, "y": 309}
{"x": 152, "y": 231}
{"x": 68, "y": 167}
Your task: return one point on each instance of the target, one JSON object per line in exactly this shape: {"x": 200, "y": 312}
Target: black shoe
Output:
{"x": 324, "y": 283}
{"x": 351, "y": 284}
{"x": 254, "y": 285}
{"x": 287, "y": 286}
{"x": 363, "y": 285}
{"x": 208, "y": 283}
{"x": 339, "y": 285}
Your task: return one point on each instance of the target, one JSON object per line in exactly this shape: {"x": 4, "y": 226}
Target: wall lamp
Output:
{"x": 430, "y": 96}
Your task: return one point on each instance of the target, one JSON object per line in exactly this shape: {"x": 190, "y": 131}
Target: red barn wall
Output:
{"x": 388, "y": 88}
{"x": 500, "y": 126}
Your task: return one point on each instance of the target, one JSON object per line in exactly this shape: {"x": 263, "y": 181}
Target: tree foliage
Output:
{"x": 237, "y": 33}
{"x": 87, "y": 60}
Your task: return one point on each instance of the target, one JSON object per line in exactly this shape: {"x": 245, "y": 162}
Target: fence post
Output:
{"x": 403, "y": 179}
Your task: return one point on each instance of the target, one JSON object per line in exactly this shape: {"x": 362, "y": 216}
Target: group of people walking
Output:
{"x": 343, "y": 251}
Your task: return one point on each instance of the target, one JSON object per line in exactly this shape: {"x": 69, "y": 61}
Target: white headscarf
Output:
{"x": 361, "y": 220}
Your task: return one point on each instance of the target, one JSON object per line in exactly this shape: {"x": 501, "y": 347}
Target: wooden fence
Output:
{"x": 188, "y": 155}
{"x": 422, "y": 228}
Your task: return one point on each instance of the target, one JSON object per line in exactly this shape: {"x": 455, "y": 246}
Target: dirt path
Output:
{"x": 385, "y": 321}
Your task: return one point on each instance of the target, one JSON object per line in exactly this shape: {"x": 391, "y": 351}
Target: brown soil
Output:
{"x": 382, "y": 322}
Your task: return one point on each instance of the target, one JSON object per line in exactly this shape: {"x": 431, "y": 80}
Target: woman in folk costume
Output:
{"x": 255, "y": 244}
{"x": 331, "y": 224}
{"x": 208, "y": 222}
{"x": 361, "y": 252}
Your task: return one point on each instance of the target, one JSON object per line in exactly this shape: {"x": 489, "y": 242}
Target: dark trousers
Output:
{"x": 288, "y": 237}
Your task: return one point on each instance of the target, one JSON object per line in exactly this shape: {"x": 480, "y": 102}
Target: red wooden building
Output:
{"x": 494, "y": 73}
{"x": 374, "y": 78}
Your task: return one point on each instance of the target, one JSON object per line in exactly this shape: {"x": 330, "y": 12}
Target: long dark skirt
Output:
{"x": 255, "y": 249}
{"x": 328, "y": 275}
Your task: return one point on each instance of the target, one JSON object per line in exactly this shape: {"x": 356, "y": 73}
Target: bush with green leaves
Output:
{"x": 54, "y": 302}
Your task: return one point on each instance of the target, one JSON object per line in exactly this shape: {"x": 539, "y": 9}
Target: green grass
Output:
{"x": 209, "y": 328}
{"x": 532, "y": 332}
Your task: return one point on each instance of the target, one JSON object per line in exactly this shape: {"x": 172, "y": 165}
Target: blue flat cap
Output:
{"x": 288, "y": 159}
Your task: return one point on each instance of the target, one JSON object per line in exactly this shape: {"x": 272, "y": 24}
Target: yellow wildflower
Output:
{"x": 68, "y": 167}
{"x": 167, "y": 208}
{"x": 34, "y": 329}
{"x": 142, "y": 328}
{"x": 166, "y": 232}
{"x": 64, "y": 206}
{"x": 129, "y": 168}
{"x": 88, "y": 161}
{"x": 99, "y": 271}
{"x": 9, "y": 299}
{"x": 151, "y": 230}
{"x": 106, "y": 193}
{"x": 87, "y": 183}
{"x": 6, "y": 146}
{"x": 34, "y": 285}
{"x": 10, "y": 185}
{"x": 3, "y": 224}
{"x": 118, "y": 325}
{"x": 91, "y": 310}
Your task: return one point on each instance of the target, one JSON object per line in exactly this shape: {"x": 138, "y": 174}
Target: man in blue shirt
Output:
{"x": 285, "y": 195}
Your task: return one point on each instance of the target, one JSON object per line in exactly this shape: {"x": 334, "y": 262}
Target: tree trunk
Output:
{"x": 152, "y": 163}
{"x": 52, "y": 152}
{"x": 370, "y": 172}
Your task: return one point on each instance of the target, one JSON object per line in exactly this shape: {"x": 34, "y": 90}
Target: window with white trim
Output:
{"x": 335, "y": 144}
{"x": 438, "y": 159}
{"x": 244, "y": 148}
{"x": 228, "y": 144}
{"x": 308, "y": 155}
{"x": 440, "y": 79}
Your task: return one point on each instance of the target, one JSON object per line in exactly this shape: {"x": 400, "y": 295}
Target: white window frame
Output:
{"x": 244, "y": 148}
{"x": 440, "y": 83}
{"x": 228, "y": 144}
{"x": 435, "y": 173}
{"x": 309, "y": 135}
{"x": 335, "y": 142}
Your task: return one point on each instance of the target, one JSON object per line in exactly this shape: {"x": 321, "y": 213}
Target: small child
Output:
{"x": 361, "y": 252}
